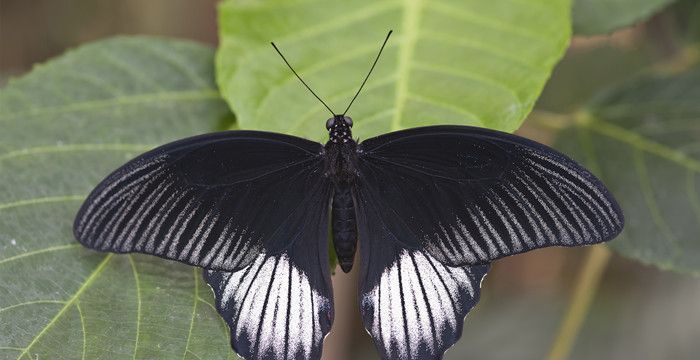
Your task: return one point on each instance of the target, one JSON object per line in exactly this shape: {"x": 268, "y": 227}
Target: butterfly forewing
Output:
{"x": 215, "y": 201}
{"x": 470, "y": 196}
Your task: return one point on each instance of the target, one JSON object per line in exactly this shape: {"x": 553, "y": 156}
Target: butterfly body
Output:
{"x": 341, "y": 169}
{"x": 344, "y": 226}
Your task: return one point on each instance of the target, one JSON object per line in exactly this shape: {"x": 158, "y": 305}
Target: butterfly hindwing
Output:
{"x": 216, "y": 200}
{"x": 470, "y": 195}
{"x": 412, "y": 305}
{"x": 280, "y": 306}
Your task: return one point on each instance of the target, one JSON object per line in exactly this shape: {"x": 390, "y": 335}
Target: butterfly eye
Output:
{"x": 348, "y": 120}
{"x": 329, "y": 123}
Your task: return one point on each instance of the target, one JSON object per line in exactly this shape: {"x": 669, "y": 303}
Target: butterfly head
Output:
{"x": 339, "y": 125}
{"x": 339, "y": 128}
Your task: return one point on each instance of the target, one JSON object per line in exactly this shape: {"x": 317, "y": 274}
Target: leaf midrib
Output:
{"x": 409, "y": 27}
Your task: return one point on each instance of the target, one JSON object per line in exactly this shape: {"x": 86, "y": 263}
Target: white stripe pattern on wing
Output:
{"x": 493, "y": 252}
{"x": 416, "y": 303}
{"x": 125, "y": 232}
{"x": 226, "y": 236}
{"x": 550, "y": 208}
{"x": 95, "y": 212}
{"x": 152, "y": 231}
{"x": 147, "y": 214}
{"x": 510, "y": 216}
{"x": 277, "y": 310}
{"x": 462, "y": 229}
{"x": 610, "y": 215}
{"x": 181, "y": 223}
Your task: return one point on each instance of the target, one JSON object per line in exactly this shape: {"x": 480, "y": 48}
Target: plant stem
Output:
{"x": 587, "y": 283}
{"x": 551, "y": 120}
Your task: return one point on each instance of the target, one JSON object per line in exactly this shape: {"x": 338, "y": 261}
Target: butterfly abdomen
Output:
{"x": 344, "y": 226}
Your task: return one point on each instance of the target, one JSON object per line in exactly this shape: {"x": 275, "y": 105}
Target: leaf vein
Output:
{"x": 693, "y": 194}
{"x": 334, "y": 23}
{"x": 82, "y": 326}
{"x": 41, "y": 251}
{"x": 90, "y": 80}
{"x": 482, "y": 48}
{"x": 193, "y": 354}
{"x": 33, "y": 302}
{"x": 478, "y": 19}
{"x": 194, "y": 311}
{"x": 649, "y": 199}
{"x": 330, "y": 62}
{"x": 305, "y": 117}
{"x": 471, "y": 76}
{"x": 377, "y": 116}
{"x": 141, "y": 77}
{"x": 98, "y": 270}
{"x": 434, "y": 102}
{"x": 138, "y": 99}
{"x": 637, "y": 141}
{"x": 221, "y": 319}
{"x": 74, "y": 147}
{"x": 175, "y": 62}
{"x": 138, "y": 303}
{"x": 41, "y": 200}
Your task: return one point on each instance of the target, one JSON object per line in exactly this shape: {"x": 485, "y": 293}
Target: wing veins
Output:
{"x": 372, "y": 199}
{"x": 430, "y": 174}
{"x": 243, "y": 181}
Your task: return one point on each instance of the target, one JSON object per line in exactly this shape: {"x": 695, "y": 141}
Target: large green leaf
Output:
{"x": 65, "y": 126}
{"x": 450, "y": 61}
{"x": 643, "y": 139}
{"x": 592, "y": 17}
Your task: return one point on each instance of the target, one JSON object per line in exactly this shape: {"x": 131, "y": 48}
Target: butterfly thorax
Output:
{"x": 341, "y": 151}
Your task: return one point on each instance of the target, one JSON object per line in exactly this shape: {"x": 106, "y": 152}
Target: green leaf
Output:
{"x": 475, "y": 63}
{"x": 643, "y": 139}
{"x": 584, "y": 71}
{"x": 593, "y": 17}
{"x": 65, "y": 126}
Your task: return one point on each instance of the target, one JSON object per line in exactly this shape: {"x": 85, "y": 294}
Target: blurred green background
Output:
{"x": 638, "y": 312}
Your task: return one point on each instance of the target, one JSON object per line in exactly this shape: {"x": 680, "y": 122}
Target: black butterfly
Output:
{"x": 431, "y": 206}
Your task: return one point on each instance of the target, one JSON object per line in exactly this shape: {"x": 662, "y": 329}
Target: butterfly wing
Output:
{"x": 280, "y": 306}
{"x": 476, "y": 195}
{"x": 437, "y": 204}
{"x": 216, "y": 200}
{"x": 412, "y": 305}
{"x": 252, "y": 207}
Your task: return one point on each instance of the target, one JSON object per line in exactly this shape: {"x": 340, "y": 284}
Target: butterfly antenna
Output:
{"x": 370, "y": 72}
{"x": 299, "y": 77}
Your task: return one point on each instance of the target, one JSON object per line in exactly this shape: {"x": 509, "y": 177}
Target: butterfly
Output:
{"x": 431, "y": 208}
